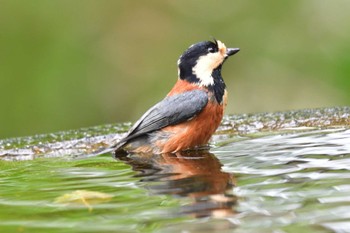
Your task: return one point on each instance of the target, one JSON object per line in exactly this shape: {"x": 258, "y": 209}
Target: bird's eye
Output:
{"x": 211, "y": 50}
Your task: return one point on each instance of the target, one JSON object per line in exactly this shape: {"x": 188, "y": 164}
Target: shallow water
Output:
{"x": 282, "y": 172}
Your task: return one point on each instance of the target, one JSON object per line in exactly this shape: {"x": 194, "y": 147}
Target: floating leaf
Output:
{"x": 84, "y": 197}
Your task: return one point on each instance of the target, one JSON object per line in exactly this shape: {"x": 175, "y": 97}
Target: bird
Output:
{"x": 191, "y": 112}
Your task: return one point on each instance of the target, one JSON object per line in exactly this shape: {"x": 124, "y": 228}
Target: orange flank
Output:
{"x": 192, "y": 133}
{"x": 183, "y": 86}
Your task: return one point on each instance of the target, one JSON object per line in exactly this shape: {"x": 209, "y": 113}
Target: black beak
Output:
{"x": 231, "y": 51}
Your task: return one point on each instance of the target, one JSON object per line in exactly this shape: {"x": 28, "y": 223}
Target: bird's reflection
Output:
{"x": 196, "y": 175}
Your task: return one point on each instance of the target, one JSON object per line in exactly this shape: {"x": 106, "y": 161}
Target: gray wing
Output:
{"x": 170, "y": 111}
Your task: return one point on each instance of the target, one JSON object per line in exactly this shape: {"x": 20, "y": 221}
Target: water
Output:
{"x": 281, "y": 172}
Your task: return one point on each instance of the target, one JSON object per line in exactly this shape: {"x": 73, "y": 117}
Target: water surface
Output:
{"x": 280, "y": 172}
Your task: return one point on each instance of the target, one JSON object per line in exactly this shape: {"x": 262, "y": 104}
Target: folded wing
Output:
{"x": 170, "y": 111}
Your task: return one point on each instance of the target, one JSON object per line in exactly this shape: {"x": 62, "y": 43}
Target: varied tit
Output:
{"x": 191, "y": 112}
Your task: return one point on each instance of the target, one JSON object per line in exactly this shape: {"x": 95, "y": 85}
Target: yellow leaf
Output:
{"x": 84, "y": 197}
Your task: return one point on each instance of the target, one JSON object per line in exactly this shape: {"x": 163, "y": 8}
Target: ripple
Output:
{"x": 290, "y": 180}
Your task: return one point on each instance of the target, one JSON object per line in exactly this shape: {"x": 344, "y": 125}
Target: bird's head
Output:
{"x": 200, "y": 60}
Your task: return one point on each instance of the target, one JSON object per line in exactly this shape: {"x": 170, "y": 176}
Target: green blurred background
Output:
{"x": 71, "y": 64}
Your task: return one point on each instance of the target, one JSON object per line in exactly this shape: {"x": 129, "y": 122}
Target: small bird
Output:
{"x": 193, "y": 109}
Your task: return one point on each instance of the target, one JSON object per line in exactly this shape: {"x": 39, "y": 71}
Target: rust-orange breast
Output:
{"x": 194, "y": 132}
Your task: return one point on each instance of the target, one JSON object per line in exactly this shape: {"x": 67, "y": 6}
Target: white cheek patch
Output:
{"x": 205, "y": 66}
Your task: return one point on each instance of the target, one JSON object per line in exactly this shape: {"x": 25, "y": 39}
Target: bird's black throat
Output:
{"x": 219, "y": 85}
{"x": 218, "y": 88}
